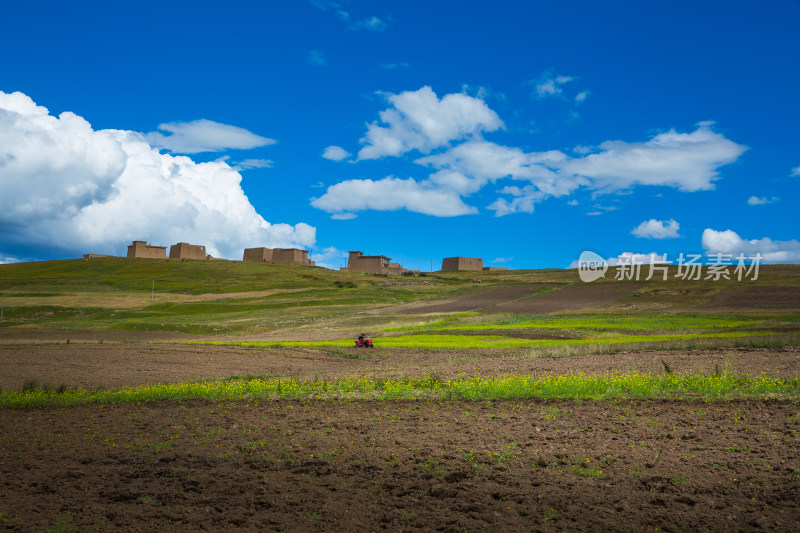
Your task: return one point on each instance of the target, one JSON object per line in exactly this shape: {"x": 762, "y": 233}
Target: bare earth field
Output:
{"x": 368, "y": 465}
{"x": 446, "y": 466}
{"x": 89, "y": 365}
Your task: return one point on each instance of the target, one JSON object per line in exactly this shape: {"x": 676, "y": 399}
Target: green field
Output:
{"x": 219, "y": 297}
{"x": 292, "y": 307}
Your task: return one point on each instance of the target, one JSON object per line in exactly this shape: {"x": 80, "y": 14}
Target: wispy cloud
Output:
{"x": 316, "y": 58}
{"x": 451, "y": 129}
{"x": 330, "y": 257}
{"x": 390, "y": 194}
{"x": 248, "y": 164}
{"x": 761, "y": 200}
{"x": 204, "y": 136}
{"x": 549, "y": 85}
{"x": 371, "y": 24}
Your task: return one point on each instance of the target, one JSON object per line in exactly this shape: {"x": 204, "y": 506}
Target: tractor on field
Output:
{"x": 363, "y": 341}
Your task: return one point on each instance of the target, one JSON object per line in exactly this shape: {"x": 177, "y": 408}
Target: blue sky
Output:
{"x": 519, "y": 132}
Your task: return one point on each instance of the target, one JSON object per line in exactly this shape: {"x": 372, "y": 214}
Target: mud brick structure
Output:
{"x": 291, "y": 256}
{"x": 263, "y": 255}
{"x": 462, "y": 263}
{"x": 287, "y": 256}
{"x": 372, "y": 264}
{"x": 142, "y": 249}
{"x": 494, "y": 269}
{"x": 184, "y": 250}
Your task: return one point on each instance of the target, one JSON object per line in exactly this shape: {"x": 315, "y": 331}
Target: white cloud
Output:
{"x": 329, "y": 257}
{"x": 450, "y": 131}
{"x": 419, "y": 120}
{"x": 763, "y": 200}
{"x": 484, "y": 161}
{"x": 371, "y": 23}
{"x": 581, "y": 96}
{"x": 7, "y": 260}
{"x": 316, "y": 58}
{"x": 796, "y": 171}
{"x": 631, "y": 258}
{"x": 657, "y": 229}
{"x": 204, "y": 136}
{"x": 67, "y": 186}
{"x": 390, "y": 194}
{"x": 343, "y": 216}
{"x": 335, "y": 153}
{"x": 503, "y": 260}
{"x": 729, "y": 242}
{"x": 572, "y": 202}
{"x": 686, "y": 161}
{"x": 549, "y": 84}
{"x": 247, "y": 164}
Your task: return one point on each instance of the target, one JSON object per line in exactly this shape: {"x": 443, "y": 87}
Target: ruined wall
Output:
{"x": 142, "y": 249}
{"x": 290, "y": 256}
{"x": 372, "y": 264}
{"x": 462, "y": 263}
{"x": 184, "y": 250}
{"x": 258, "y": 254}
{"x": 494, "y": 269}
{"x": 287, "y": 256}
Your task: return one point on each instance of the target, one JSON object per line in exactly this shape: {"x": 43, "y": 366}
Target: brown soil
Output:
{"x": 571, "y": 298}
{"x": 367, "y": 466}
{"x": 758, "y": 297}
{"x": 127, "y": 364}
{"x": 518, "y": 299}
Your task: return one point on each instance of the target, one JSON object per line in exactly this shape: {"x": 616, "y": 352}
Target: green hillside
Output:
{"x": 220, "y": 297}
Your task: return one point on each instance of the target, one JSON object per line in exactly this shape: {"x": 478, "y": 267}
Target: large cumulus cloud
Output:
{"x": 66, "y": 184}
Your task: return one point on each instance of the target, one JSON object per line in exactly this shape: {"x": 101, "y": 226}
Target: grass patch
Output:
{"x": 461, "y": 342}
{"x": 573, "y": 386}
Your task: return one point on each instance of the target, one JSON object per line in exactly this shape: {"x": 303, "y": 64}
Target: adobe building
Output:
{"x": 291, "y": 256}
{"x": 287, "y": 256}
{"x": 372, "y": 264}
{"x": 462, "y": 263}
{"x": 261, "y": 255}
{"x": 184, "y": 250}
{"x": 494, "y": 269}
{"x": 142, "y": 249}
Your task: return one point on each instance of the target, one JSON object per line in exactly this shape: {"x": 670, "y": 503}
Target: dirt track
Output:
{"x": 449, "y": 466}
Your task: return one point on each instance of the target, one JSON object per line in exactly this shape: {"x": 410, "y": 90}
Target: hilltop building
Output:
{"x": 184, "y": 250}
{"x": 142, "y": 249}
{"x": 462, "y": 263}
{"x": 494, "y": 269}
{"x": 374, "y": 264}
{"x": 287, "y": 256}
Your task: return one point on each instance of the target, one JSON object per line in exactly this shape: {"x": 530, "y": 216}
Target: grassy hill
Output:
{"x": 220, "y": 297}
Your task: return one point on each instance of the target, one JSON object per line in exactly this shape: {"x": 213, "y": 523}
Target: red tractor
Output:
{"x": 363, "y": 341}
